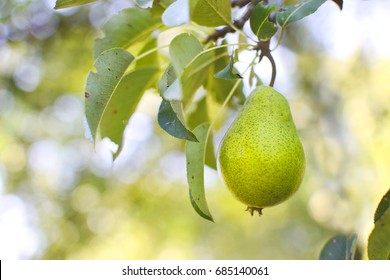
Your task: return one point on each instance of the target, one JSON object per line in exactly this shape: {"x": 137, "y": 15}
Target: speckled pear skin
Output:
{"x": 261, "y": 158}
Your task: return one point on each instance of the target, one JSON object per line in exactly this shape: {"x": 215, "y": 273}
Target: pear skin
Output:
{"x": 261, "y": 158}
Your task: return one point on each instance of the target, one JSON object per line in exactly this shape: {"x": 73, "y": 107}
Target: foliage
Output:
{"x": 339, "y": 247}
{"x": 342, "y": 247}
{"x": 379, "y": 242}
{"x": 74, "y": 203}
{"x": 108, "y": 105}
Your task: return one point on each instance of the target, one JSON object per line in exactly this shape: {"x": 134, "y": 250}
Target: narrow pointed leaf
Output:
{"x": 211, "y": 13}
{"x": 123, "y": 103}
{"x": 170, "y": 118}
{"x": 260, "y": 25}
{"x": 219, "y": 88}
{"x": 384, "y": 204}
{"x": 126, "y": 28}
{"x": 60, "y": 4}
{"x": 339, "y": 247}
{"x": 378, "y": 247}
{"x": 100, "y": 86}
{"x": 295, "y": 12}
{"x": 227, "y": 73}
{"x": 195, "y": 157}
{"x": 197, "y": 117}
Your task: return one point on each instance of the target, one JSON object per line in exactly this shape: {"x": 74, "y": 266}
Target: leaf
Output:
{"x": 295, "y": 12}
{"x": 151, "y": 59}
{"x": 170, "y": 118}
{"x": 197, "y": 117}
{"x": 183, "y": 49}
{"x": 126, "y": 28}
{"x": 167, "y": 79}
{"x": 60, "y": 4}
{"x": 211, "y": 13}
{"x": 169, "y": 86}
{"x": 218, "y": 88}
{"x": 340, "y": 247}
{"x": 176, "y": 14}
{"x": 194, "y": 75}
{"x": 227, "y": 73}
{"x": 123, "y": 102}
{"x": 384, "y": 204}
{"x": 159, "y": 7}
{"x": 190, "y": 63}
{"x": 100, "y": 86}
{"x": 339, "y": 3}
{"x": 378, "y": 247}
{"x": 195, "y": 157}
{"x": 260, "y": 25}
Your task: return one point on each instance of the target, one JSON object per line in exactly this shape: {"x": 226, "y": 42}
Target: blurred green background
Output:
{"x": 61, "y": 199}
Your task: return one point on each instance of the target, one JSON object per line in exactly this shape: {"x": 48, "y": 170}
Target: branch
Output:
{"x": 239, "y": 24}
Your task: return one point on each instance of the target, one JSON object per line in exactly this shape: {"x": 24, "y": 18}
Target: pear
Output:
{"x": 261, "y": 158}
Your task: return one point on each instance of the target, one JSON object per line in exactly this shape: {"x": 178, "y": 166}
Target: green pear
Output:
{"x": 261, "y": 158}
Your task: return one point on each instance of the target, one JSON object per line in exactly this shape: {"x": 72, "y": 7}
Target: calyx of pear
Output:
{"x": 261, "y": 158}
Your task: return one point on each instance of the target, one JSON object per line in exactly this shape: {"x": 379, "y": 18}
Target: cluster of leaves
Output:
{"x": 198, "y": 61}
{"x": 342, "y": 247}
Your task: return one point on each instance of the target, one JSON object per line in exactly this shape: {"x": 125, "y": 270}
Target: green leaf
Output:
{"x": 197, "y": 117}
{"x": 384, "y": 204}
{"x": 295, "y": 12}
{"x": 194, "y": 75}
{"x": 171, "y": 119}
{"x": 218, "y": 88}
{"x": 151, "y": 59}
{"x": 227, "y": 73}
{"x": 123, "y": 102}
{"x": 60, "y": 4}
{"x": 167, "y": 79}
{"x": 111, "y": 66}
{"x": 126, "y": 28}
{"x": 378, "y": 247}
{"x": 169, "y": 86}
{"x": 159, "y": 7}
{"x": 183, "y": 49}
{"x": 195, "y": 157}
{"x": 340, "y": 247}
{"x": 260, "y": 25}
{"x": 211, "y": 13}
{"x": 190, "y": 63}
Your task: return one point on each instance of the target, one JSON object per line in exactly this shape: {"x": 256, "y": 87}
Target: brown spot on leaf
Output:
{"x": 87, "y": 94}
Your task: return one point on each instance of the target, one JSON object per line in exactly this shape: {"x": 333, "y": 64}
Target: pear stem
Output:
{"x": 265, "y": 51}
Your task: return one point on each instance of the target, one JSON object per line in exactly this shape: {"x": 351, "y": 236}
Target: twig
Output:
{"x": 239, "y": 3}
{"x": 265, "y": 51}
{"x": 239, "y": 24}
